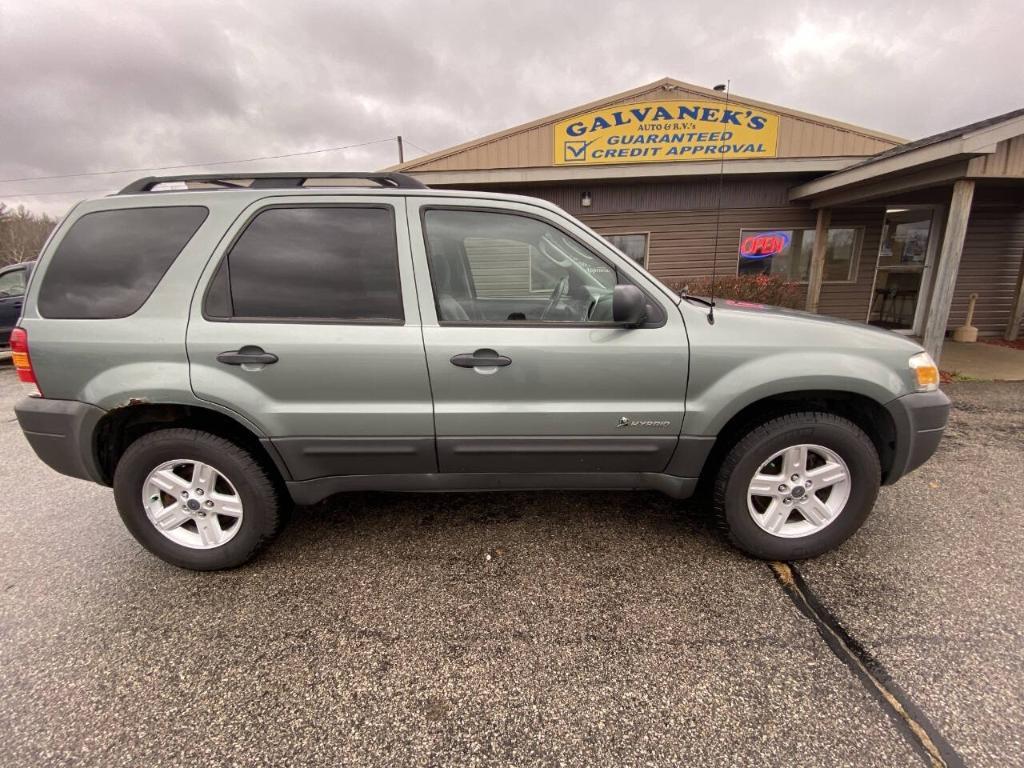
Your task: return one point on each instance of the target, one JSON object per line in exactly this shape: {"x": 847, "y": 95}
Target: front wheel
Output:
{"x": 195, "y": 500}
{"x": 797, "y": 486}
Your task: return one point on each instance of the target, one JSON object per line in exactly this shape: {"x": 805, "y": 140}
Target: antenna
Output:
{"x": 718, "y": 208}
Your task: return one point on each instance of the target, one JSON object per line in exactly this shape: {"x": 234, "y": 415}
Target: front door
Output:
{"x": 902, "y": 276}
{"x": 528, "y": 371}
{"x": 309, "y": 329}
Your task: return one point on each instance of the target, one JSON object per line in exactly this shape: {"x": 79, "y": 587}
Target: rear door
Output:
{"x": 306, "y": 324}
{"x": 568, "y": 391}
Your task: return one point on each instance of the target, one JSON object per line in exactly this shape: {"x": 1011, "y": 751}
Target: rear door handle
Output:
{"x": 482, "y": 358}
{"x": 247, "y": 355}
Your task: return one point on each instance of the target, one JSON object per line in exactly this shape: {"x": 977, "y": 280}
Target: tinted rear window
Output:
{"x": 109, "y": 262}
{"x": 314, "y": 263}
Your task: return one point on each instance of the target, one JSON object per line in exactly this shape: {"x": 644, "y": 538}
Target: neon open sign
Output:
{"x": 758, "y": 245}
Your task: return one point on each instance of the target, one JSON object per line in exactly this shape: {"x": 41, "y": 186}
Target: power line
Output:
{"x": 194, "y": 165}
{"x": 417, "y": 146}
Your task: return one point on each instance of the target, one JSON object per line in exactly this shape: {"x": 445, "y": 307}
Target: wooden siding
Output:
{"x": 991, "y": 258}
{"x": 800, "y": 137}
{"x": 501, "y": 268}
{"x": 679, "y": 216}
{"x": 850, "y": 300}
{"x": 698, "y": 194}
{"x": 680, "y": 219}
{"x": 1008, "y": 160}
{"x": 532, "y": 145}
{"x": 682, "y": 243}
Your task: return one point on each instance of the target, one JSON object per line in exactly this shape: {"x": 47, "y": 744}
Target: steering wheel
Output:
{"x": 556, "y": 295}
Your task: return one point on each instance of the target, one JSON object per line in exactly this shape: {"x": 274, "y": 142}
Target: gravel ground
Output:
{"x": 513, "y": 629}
{"x": 934, "y": 583}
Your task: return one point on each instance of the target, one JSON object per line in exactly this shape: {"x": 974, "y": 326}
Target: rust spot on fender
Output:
{"x": 130, "y": 402}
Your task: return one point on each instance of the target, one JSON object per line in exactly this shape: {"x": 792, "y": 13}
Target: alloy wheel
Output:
{"x": 192, "y": 504}
{"x": 799, "y": 491}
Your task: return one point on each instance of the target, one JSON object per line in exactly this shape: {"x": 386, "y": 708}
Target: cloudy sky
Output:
{"x": 89, "y": 86}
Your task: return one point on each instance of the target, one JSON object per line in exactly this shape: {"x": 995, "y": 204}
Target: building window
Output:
{"x": 786, "y": 253}
{"x": 634, "y": 246}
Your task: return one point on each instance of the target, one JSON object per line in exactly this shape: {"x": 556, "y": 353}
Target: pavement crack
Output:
{"x": 910, "y": 720}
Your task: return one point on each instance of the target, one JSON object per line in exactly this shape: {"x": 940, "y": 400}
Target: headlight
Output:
{"x": 926, "y": 373}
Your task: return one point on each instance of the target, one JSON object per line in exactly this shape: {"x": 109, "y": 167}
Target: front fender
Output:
{"x": 724, "y": 384}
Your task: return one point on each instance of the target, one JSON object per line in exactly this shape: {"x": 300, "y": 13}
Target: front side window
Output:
{"x": 786, "y": 253}
{"x": 109, "y": 262}
{"x": 500, "y": 267}
{"x": 312, "y": 264}
{"x": 12, "y": 284}
{"x": 634, "y": 246}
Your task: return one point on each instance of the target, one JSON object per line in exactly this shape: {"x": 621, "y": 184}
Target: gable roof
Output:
{"x": 530, "y": 145}
{"x": 963, "y": 151}
{"x": 935, "y": 138}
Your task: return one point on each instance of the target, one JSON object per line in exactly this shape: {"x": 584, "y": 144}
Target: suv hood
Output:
{"x": 838, "y": 331}
{"x": 756, "y": 351}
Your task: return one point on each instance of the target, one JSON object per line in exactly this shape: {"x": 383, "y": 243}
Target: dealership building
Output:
{"x": 874, "y": 228}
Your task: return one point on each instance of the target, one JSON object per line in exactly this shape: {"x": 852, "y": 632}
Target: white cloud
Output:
{"x": 89, "y": 86}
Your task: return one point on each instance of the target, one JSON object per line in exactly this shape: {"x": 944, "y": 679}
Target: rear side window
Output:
{"x": 109, "y": 262}
{"x": 312, "y": 264}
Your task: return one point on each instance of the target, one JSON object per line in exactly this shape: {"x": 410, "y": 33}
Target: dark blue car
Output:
{"x": 13, "y": 280}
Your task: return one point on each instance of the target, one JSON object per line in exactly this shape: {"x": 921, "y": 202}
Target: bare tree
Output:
{"x": 22, "y": 233}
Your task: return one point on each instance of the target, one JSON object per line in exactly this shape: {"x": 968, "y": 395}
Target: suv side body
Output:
{"x": 401, "y": 394}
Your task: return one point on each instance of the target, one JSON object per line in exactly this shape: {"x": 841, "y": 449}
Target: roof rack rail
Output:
{"x": 274, "y": 180}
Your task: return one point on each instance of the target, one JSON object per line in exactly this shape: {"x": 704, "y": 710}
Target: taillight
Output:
{"x": 19, "y": 356}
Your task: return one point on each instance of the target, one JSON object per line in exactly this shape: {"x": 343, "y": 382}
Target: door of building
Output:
{"x": 899, "y": 296}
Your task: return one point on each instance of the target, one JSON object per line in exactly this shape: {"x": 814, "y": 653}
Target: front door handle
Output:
{"x": 247, "y": 355}
{"x": 482, "y": 358}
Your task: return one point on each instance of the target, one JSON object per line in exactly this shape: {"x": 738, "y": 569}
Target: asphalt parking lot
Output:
{"x": 517, "y": 629}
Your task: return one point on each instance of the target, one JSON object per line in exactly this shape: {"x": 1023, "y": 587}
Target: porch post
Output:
{"x": 948, "y": 266}
{"x": 818, "y": 258}
{"x": 1017, "y": 313}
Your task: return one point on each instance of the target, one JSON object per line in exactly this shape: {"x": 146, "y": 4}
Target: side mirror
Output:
{"x": 629, "y": 306}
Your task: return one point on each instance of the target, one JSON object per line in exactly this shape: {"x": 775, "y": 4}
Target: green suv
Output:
{"x": 216, "y": 347}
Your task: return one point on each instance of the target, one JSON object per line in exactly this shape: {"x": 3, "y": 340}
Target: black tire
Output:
{"x": 748, "y": 455}
{"x": 260, "y": 498}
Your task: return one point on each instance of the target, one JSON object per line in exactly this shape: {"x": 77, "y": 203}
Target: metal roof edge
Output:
{"x": 549, "y": 174}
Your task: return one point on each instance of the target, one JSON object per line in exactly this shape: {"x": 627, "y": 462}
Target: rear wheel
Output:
{"x": 196, "y": 500}
{"x": 797, "y": 486}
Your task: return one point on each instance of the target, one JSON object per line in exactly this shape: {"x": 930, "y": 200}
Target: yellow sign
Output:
{"x": 666, "y": 131}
